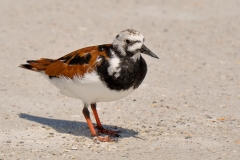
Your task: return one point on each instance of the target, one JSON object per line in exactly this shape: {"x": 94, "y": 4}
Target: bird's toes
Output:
{"x": 98, "y": 139}
{"x": 109, "y": 132}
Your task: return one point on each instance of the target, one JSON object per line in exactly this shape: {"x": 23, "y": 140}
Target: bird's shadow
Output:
{"x": 74, "y": 127}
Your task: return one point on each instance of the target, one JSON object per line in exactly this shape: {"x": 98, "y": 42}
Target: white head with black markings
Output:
{"x": 131, "y": 43}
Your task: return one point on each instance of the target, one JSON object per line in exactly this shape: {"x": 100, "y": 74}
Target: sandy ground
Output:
{"x": 188, "y": 106}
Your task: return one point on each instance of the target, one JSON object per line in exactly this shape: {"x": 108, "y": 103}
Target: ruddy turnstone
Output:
{"x": 100, "y": 73}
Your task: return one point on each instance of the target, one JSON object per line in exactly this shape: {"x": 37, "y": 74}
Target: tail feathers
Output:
{"x": 37, "y": 65}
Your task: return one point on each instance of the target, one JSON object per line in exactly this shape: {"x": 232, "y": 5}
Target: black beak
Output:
{"x": 146, "y": 51}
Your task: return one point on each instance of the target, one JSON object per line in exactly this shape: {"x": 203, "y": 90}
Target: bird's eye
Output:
{"x": 128, "y": 41}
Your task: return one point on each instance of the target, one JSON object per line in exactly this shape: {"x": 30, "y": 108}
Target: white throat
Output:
{"x": 136, "y": 57}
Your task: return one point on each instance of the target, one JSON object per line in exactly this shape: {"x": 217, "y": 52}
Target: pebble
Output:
{"x": 188, "y": 137}
{"x": 74, "y": 148}
{"x": 89, "y": 146}
{"x": 66, "y": 150}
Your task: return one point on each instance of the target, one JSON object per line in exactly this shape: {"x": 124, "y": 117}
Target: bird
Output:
{"x": 100, "y": 73}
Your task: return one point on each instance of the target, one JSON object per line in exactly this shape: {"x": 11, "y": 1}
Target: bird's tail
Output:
{"x": 37, "y": 65}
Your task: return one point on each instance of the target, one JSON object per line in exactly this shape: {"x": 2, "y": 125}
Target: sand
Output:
{"x": 188, "y": 106}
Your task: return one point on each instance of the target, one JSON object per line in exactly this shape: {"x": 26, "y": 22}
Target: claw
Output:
{"x": 98, "y": 139}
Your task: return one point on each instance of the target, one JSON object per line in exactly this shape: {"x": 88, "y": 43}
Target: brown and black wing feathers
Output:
{"x": 78, "y": 62}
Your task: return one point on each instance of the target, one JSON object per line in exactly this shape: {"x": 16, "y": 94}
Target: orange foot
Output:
{"x": 108, "y": 132}
{"x": 98, "y": 139}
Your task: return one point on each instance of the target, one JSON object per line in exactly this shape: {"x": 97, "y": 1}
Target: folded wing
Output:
{"x": 77, "y": 63}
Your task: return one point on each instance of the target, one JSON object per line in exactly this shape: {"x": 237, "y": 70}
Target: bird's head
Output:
{"x": 131, "y": 43}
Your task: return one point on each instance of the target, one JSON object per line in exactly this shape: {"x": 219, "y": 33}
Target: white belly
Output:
{"x": 89, "y": 89}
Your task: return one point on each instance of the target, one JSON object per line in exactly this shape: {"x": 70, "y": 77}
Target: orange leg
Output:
{"x": 91, "y": 127}
{"x": 99, "y": 125}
